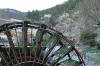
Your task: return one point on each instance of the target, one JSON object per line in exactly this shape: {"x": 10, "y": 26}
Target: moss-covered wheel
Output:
{"x": 28, "y": 44}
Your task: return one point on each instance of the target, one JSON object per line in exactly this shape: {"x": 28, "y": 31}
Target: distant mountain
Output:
{"x": 12, "y": 13}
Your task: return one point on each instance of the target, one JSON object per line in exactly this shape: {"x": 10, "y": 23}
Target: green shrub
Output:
{"x": 88, "y": 38}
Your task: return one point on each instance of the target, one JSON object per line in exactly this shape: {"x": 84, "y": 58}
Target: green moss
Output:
{"x": 55, "y": 36}
{"x": 75, "y": 63}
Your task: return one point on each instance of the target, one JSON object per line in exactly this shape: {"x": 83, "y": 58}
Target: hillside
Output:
{"x": 66, "y": 7}
{"x": 73, "y": 18}
{"x": 11, "y": 13}
{"x": 56, "y": 11}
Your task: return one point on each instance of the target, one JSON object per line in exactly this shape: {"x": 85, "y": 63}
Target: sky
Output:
{"x": 29, "y": 5}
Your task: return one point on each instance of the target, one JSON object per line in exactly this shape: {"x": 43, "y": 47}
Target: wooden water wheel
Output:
{"x": 28, "y": 44}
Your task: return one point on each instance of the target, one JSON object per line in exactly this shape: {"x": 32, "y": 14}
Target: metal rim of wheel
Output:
{"x": 44, "y": 47}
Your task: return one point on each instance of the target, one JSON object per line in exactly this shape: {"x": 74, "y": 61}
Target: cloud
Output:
{"x": 25, "y": 5}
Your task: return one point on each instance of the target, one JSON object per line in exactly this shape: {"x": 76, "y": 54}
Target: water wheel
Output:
{"x": 28, "y": 44}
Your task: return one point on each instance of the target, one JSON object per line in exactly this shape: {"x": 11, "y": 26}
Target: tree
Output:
{"x": 34, "y": 15}
{"x": 29, "y": 15}
{"x": 88, "y": 38}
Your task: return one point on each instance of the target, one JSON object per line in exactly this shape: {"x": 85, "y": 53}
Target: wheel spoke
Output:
{"x": 11, "y": 44}
{"x": 67, "y": 52}
{"x": 31, "y": 43}
{"x": 49, "y": 51}
{"x": 17, "y": 40}
{"x": 39, "y": 39}
{"x": 47, "y": 47}
{"x": 1, "y": 64}
{"x": 4, "y": 58}
{"x": 61, "y": 46}
{"x": 6, "y": 50}
{"x": 25, "y": 38}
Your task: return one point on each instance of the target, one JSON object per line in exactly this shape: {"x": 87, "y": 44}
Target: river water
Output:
{"x": 92, "y": 59}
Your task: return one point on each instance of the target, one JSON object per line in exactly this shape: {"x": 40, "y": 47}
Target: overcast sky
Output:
{"x": 26, "y": 5}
